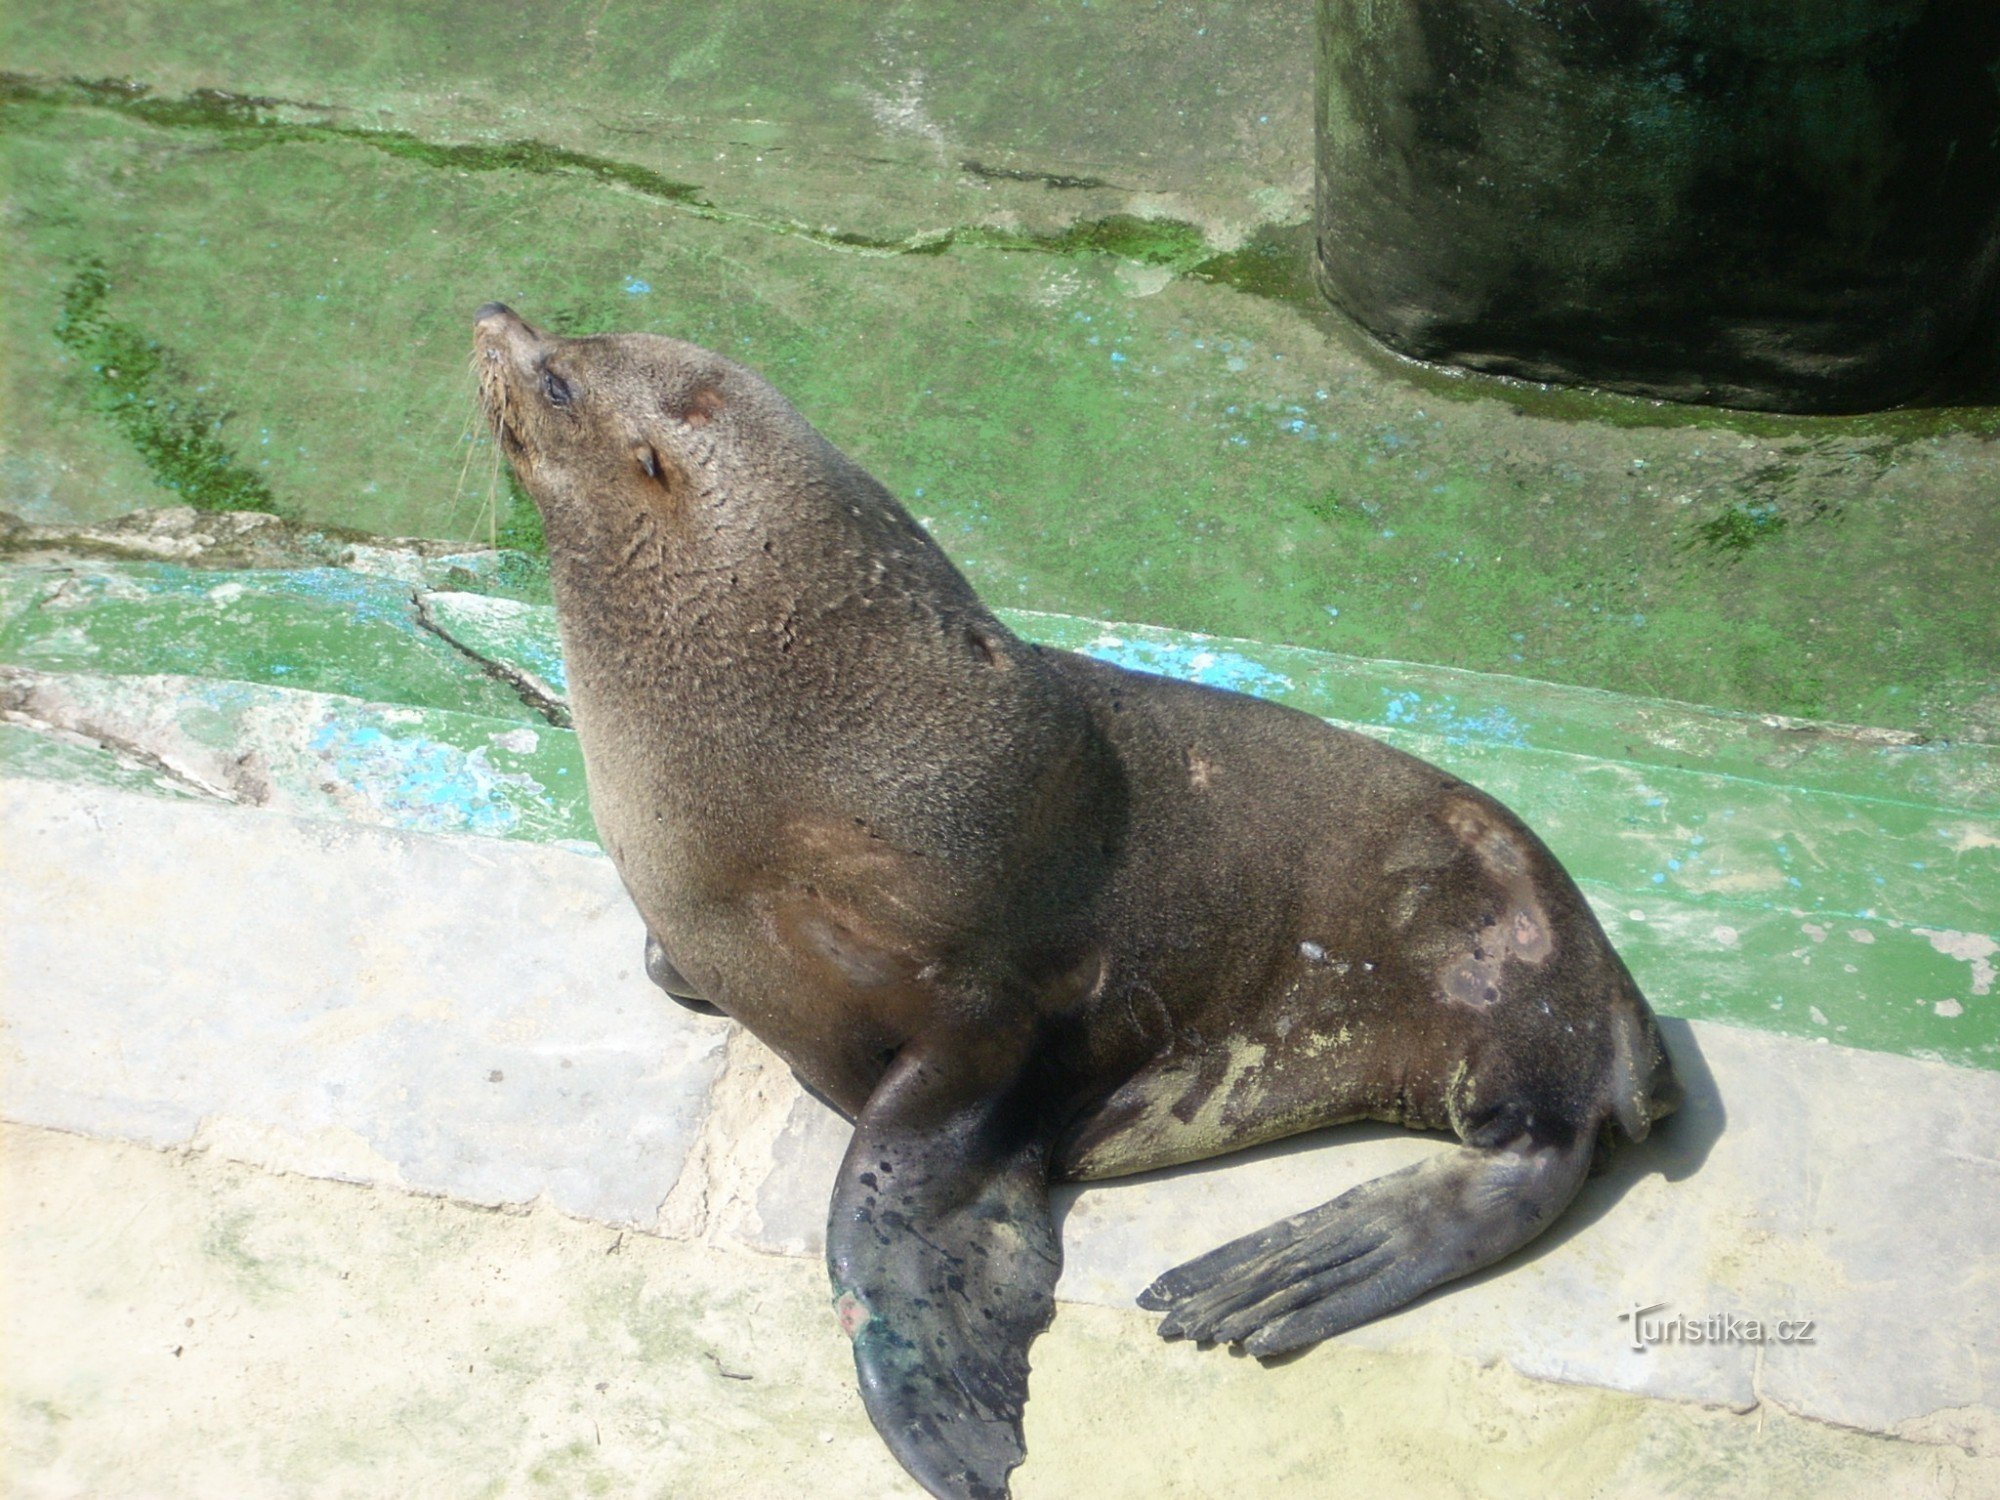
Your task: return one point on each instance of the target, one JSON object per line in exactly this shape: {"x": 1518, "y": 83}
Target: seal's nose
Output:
{"x": 493, "y": 310}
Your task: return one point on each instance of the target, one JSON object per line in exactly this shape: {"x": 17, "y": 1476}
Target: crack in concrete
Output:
{"x": 530, "y": 689}
{"x": 734, "y": 1153}
{"x": 1149, "y": 241}
{"x": 26, "y": 700}
{"x": 1047, "y": 179}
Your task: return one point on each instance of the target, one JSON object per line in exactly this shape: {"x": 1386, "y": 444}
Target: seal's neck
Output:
{"x": 768, "y": 619}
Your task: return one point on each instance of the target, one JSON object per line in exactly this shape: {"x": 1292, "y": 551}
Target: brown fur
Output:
{"x": 855, "y": 807}
{"x": 1070, "y": 919}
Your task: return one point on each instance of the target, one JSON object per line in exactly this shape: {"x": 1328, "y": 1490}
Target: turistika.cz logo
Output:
{"x": 1652, "y": 1325}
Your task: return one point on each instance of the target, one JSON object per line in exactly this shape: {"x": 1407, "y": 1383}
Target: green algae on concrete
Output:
{"x": 1820, "y": 880}
{"x": 1086, "y": 433}
{"x": 1459, "y": 707}
{"x": 330, "y": 630}
{"x": 315, "y": 755}
{"x": 177, "y": 436}
{"x": 48, "y": 754}
{"x": 888, "y": 125}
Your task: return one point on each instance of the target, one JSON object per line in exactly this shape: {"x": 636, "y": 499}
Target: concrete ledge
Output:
{"x": 467, "y": 1017}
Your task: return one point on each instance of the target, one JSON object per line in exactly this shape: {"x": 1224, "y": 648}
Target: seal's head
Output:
{"x": 617, "y": 421}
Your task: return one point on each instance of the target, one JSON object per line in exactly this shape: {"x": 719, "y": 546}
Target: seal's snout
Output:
{"x": 497, "y": 326}
{"x": 501, "y": 344}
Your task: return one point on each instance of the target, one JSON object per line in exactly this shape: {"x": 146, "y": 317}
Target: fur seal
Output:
{"x": 1023, "y": 915}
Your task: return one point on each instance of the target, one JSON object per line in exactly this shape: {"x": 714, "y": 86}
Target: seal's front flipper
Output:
{"x": 944, "y": 1264}
{"x": 660, "y": 969}
{"x": 1374, "y": 1248}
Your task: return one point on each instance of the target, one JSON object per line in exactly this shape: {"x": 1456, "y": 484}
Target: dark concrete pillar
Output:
{"x": 1785, "y": 204}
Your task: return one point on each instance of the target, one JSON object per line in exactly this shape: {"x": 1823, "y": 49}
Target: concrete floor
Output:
{"x": 365, "y": 1194}
{"x": 227, "y": 1330}
{"x": 431, "y": 1195}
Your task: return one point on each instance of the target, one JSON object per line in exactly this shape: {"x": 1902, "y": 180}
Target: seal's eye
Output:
{"x": 555, "y": 388}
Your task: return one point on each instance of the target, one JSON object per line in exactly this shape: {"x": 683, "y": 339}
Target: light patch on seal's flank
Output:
{"x": 1224, "y": 1117}
{"x": 1519, "y": 929}
{"x": 853, "y": 1314}
{"x": 1319, "y": 1043}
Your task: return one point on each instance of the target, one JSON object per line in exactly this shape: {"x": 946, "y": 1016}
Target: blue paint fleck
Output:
{"x": 634, "y": 287}
{"x": 1191, "y": 662}
{"x": 1491, "y": 725}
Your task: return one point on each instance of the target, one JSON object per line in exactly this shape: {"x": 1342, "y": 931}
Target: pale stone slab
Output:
{"x": 455, "y": 1015}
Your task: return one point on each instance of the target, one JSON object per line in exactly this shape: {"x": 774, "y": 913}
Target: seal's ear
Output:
{"x": 697, "y": 408}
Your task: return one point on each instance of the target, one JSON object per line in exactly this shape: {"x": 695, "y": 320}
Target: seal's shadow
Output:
{"x": 1675, "y": 1150}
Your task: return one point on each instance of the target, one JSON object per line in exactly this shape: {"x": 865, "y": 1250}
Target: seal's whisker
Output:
{"x": 474, "y": 419}
{"x": 493, "y": 500}
{"x": 468, "y": 439}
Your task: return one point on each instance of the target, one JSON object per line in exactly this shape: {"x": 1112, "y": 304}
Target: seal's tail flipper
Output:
{"x": 1374, "y": 1248}
{"x": 944, "y": 1264}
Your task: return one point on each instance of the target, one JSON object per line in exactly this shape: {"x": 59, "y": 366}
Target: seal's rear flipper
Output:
{"x": 944, "y": 1264}
{"x": 1374, "y": 1248}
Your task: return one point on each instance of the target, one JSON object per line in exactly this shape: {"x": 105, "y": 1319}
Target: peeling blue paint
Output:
{"x": 421, "y": 784}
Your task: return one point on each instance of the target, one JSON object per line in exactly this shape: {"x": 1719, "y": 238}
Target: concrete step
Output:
{"x": 1825, "y": 881}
